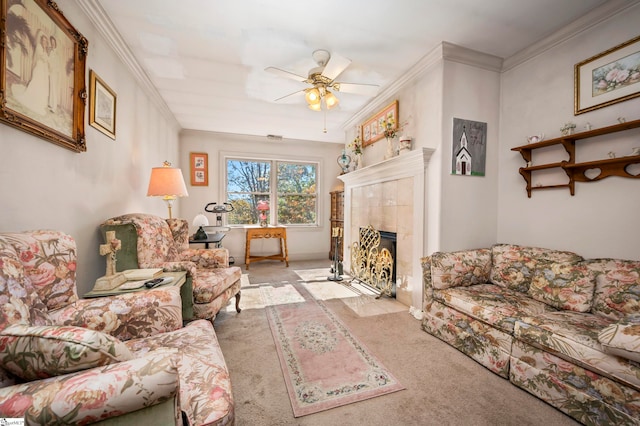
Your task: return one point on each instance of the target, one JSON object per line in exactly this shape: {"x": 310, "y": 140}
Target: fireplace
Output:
{"x": 390, "y": 196}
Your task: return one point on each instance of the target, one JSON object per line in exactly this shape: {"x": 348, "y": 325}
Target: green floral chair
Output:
{"x": 123, "y": 359}
{"x": 150, "y": 241}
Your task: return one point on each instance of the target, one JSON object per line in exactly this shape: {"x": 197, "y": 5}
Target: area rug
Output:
{"x": 323, "y": 364}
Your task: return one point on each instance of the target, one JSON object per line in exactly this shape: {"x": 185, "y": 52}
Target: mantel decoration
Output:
{"x": 608, "y": 78}
{"x": 344, "y": 160}
{"x": 42, "y": 74}
{"x": 356, "y": 147}
{"x": 372, "y": 129}
{"x": 263, "y": 213}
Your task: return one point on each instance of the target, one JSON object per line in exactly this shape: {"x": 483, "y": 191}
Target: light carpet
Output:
{"x": 323, "y": 364}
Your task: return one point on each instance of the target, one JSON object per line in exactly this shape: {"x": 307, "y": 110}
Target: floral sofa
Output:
{"x": 121, "y": 359}
{"x": 563, "y": 328}
{"x": 150, "y": 241}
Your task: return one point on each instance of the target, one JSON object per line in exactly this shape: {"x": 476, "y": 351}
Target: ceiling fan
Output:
{"x": 323, "y": 81}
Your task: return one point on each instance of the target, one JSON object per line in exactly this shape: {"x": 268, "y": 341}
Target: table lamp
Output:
{"x": 200, "y": 221}
{"x": 167, "y": 182}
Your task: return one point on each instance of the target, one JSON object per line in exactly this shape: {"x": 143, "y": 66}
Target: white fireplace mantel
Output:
{"x": 405, "y": 165}
{"x": 408, "y": 219}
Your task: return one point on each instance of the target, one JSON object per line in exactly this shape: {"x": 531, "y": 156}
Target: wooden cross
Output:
{"x": 109, "y": 249}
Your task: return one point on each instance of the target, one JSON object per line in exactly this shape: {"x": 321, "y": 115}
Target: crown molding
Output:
{"x": 443, "y": 51}
{"x": 101, "y": 21}
{"x": 592, "y": 18}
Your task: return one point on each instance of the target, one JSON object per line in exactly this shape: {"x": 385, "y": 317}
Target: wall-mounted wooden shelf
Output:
{"x": 581, "y": 172}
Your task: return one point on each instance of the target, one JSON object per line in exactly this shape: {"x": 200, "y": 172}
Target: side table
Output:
{"x": 179, "y": 279}
{"x": 279, "y": 232}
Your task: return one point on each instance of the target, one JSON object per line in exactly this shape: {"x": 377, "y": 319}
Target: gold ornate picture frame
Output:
{"x": 608, "y": 78}
{"x": 42, "y": 73}
{"x": 371, "y": 130}
{"x": 102, "y": 106}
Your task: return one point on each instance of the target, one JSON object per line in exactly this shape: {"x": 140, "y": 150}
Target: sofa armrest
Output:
{"x": 427, "y": 292}
{"x": 126, "y": 316}
{"x": 95, "y": 394}
{"x": 207, "y": 258}
{"x": 622, "y": 338}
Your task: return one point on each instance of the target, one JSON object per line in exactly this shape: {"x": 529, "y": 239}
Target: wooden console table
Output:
{"x": 279, "y": 232}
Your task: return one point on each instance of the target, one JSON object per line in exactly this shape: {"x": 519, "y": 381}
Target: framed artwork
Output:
{"x": 469, "y": 147}
{"x": 102, "y": 106}
{"x": 42, "y": 73}
{"x": 372, "y": 131}
{"x": 608, "y": 78}
{"x": 199, "y": 168}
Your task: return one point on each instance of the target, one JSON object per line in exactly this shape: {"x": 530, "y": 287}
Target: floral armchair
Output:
{"x": 121, "y": 359}
{"x": 150, "y": 241}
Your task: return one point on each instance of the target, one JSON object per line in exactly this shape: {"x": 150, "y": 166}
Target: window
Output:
{"x": 290, "y": 188}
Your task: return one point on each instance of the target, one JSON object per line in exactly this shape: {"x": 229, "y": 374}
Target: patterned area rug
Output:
{"x": 323, "y": 364}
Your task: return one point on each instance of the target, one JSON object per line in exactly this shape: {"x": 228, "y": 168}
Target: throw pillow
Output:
{"x": 566, "y": 286}
{"x": 622, "y": 338}
{"x": 460, "y": 268}
{"x": 617, "y": 287}
{"x": 45, "y": 351}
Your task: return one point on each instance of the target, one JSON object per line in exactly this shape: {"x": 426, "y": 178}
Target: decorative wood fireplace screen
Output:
{"x": 370, "y": 264}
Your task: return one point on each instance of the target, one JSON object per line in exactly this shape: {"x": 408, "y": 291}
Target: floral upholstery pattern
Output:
{"x": 617, "y": 287}
{"x": 564, "y": 286}
{"x": 205, "y": 386}
{"x": 565, "y": 329}
{"x": 588, "y": 397}
{"x": 513, "y": 265}
{"x": 622, "y": 338}
{"x": 461, "y": 268}
{"x": 130, "y": 349}
{"x": 36, "y": 352}
{"x": 165, "y": 243}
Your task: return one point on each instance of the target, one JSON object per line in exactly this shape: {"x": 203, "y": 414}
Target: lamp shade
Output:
{"x": 166, "y": 181}
{"x": 331, "y": 100}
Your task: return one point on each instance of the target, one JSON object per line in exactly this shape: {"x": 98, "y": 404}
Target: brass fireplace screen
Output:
{"x": 371, "y": 264}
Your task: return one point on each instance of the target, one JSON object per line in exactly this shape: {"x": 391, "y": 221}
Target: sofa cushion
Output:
{"x": 461, "y": 268}
{"x": 617, "y": 287}
{"x": 513, "y": 265}
{"x": 622, "y": 338}
{"x": 574, "y": 337}
{"x": 564, "y": 286}
{"x": 495, "y": 305}
{"x": 36, "y": 352}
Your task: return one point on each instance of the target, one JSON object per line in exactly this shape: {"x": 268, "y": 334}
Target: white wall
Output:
{"x": 303, "y": 243}
{"x": 45, "y": 186}
{"x": 537, "y": 97}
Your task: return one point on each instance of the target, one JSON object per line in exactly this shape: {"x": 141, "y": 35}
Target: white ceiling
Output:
{"x": 206, "y": 58}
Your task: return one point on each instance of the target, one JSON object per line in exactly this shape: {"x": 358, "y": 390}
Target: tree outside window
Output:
{"x": 292, "y": 196}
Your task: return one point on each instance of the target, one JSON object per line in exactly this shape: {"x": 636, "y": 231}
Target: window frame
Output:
{"x": 273, "y": 184}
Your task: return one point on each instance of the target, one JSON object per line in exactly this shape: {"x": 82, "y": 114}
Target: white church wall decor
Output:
{"x": 469, "y": 147}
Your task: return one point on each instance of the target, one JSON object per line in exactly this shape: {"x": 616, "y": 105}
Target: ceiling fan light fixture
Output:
{"x": 316, "y": 107}
{"x": 330, "y": 100}
{"x": 312, "y": 96}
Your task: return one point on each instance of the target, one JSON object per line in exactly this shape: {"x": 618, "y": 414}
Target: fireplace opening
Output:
{"x": 373, "y": 260}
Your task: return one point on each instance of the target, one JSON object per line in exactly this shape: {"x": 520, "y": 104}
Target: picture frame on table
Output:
{"x": 102, "y": 106}
{"x": 371, "y": 130}
{"x": 199, "y": 162}
{"x": 608, "y": 78}
{"x": 42, "y": 73}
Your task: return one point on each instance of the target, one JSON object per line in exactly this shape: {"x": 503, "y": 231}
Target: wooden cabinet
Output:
{"x": 337, "y": 221}
{"x": 578, "y": 172}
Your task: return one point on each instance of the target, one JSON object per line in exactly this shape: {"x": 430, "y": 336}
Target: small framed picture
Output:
{"x": 102, "y": 108}
{"x": 199, "y": 169}
{"x": 372, "y": 130}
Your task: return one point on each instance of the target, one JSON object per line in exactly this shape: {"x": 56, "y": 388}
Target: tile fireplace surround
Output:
{"x": 390, "y": 196}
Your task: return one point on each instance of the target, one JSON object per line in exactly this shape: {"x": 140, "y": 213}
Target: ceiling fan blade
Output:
{"x": 357, "y": 88}
{"x": 290, "y": 94}
{"x": 287, "y": 74}
{"x": 335, "y": 66}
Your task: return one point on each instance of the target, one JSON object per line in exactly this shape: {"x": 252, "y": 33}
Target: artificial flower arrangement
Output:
{"x": 568, "y": 128}
{"x": 356, "y": 146}
{"x": 389, "y": 128}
